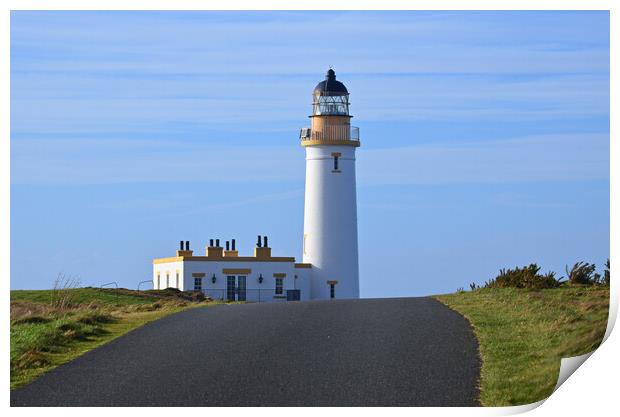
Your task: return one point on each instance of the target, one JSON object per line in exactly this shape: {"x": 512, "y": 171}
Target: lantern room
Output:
{"x": 330, "y": 116}
{"x": 330, "y": 97}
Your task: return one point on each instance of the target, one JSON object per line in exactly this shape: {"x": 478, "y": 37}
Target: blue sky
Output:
{"x": 485, "y": 139}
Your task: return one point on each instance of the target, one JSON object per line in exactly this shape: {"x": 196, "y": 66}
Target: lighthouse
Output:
{"x": 330, "y": 263}
{"x": 330, "y": 210}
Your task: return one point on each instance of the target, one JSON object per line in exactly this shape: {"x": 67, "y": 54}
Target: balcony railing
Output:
{"x": 330, "y": 134}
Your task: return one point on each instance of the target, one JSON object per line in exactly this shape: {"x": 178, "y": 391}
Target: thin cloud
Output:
{"x": 527, "y": 159}
{"x": 524, "y": 159}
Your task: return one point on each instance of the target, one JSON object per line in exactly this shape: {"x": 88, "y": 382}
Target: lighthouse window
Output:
{"x": 332, "y": 290}
{"x": 197, "y": 284}
{"x": 279, "y": 286}
{"x": 335, "y": 163}
{"x": 330, "y": 105}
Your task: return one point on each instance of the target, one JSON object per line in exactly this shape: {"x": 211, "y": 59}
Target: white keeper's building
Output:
{"x": 329, "y": 268}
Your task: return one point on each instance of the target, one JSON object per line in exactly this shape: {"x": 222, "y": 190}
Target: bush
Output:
{"x": 526, "y": 277}
{"x": 583, "y": 273}
{"x": 62, "y": 295}
{"x": 197, "y": 296}
{"x": 606, "y": 273}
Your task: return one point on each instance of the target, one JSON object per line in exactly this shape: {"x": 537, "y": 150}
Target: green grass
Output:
{"x": 44, "y": 336}
{"x": 523, "y": 334}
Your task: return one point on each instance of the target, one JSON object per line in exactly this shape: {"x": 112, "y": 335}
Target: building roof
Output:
{"x": 330, "y": 86}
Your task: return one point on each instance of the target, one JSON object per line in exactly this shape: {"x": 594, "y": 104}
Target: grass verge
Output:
{"x": 523, "y": 334}
{"x": 44, "y": 336}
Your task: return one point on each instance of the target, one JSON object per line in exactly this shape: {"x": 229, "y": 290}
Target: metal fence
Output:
{"x": 331, "y": 133}
{"x": 250, "y": 295}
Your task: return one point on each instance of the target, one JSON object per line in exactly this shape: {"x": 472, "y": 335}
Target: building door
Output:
{"x": 230, "y": 288}
{"x": 241, "y": 288}
{"x": 236, "y": 288}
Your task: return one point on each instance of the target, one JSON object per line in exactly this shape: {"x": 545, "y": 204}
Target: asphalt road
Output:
{"x": 370, "y": 352}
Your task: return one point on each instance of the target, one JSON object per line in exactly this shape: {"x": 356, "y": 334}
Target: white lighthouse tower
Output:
{"x": 330, "y": 212}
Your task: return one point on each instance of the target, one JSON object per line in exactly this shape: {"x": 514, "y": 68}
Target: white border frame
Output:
{"x": 591, "y": 391}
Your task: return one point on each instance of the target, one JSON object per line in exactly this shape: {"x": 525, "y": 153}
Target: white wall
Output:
{"x": 304, "y": 275}
{"x": 168, "y": 269}
{"x": 254, "y": 290}
{"x": 330, "y": 221}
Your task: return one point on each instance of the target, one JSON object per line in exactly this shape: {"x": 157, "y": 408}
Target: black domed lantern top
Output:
{"x": 330, "y": 97}
{"x": 330, "y": 86}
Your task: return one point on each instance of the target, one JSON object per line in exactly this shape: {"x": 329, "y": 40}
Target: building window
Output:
{"x": 332, "y": 290}
{"x": 158, "y": 281}
{"x": 197, "y": 284}
{"x": 167, "y": 280}
{"x": 279, "y": 286}
{"x": 335, "y": 162}
{"x": 177, "y": 280}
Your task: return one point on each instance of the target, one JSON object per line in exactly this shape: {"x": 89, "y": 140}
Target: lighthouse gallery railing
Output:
{"x": 327, "y": 133}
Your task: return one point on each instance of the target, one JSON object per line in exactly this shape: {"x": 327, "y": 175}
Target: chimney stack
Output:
{"x": 210, "y": 243}
{"x": 228, "y": 253}
{"x": 184, "y": 249}
{"x": 217, "y": 243}
{"x": 262, "y": 249}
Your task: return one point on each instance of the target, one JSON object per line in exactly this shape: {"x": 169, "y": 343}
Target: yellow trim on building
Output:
{"x": 236, "y": 271}
{"x": 279, "y": 275}
{"x": 230, "y": 259}
{"x": 332, "y": 282}
{"x": 198, "y": 274}
{"x": 166, "y": 260}
{"x": 301, "y": 265}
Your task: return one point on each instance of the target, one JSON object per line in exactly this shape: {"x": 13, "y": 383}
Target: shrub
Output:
{"x": 606, "y": 273}
{"x": 583, "y": 273}
{"x": 197, "y": 296}
{"x": 63, "y": 292}
{"x": 526, "y": 277}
